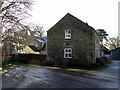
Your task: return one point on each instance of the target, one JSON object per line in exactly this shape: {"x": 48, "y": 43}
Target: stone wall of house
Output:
{"x": 96, "y": 43}
{"x": 81, "y": 42}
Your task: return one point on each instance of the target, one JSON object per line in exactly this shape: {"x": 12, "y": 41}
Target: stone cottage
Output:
{"x": 72, "y": 40}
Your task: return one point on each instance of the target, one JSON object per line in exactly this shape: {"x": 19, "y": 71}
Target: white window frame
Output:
{"x": 67, "y": 53}
{"x": 67, "y": 34}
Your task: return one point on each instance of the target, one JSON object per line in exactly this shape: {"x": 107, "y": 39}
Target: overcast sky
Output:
{"x": 100, "y": 14}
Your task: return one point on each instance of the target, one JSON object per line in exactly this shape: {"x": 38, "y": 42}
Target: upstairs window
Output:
{"x": 67, "y": 34}
{"x": 67, "y": 53}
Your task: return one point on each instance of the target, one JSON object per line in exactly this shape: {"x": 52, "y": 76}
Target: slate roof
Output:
{"x": 43, "y": 48}
{"x": 34, "y": 48}
{"x": 106, "y": 50}
{"x": 41, "y": 39}
{"x": 14, "y": 51}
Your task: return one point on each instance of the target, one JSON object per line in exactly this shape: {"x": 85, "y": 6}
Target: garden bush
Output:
{"x": 106, "y": 60}
{"x": 6, "y": 60}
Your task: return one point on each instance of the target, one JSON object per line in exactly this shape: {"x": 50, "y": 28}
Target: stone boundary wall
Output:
{"x": 29, "y": 58}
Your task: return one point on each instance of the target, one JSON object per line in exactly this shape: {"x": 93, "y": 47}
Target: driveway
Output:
{"x": 32, "y": 76}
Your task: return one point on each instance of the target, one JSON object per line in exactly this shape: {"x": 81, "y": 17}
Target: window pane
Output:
{"x": 69, "y": 31}
{"x": 65, "y": 32}
{"x": 70, "y": 55}
{"x": 68, "y": 35}
{"x": 69, "y": 50}
{"x": 66, "y": 50}
{"x": 66, "y": 55}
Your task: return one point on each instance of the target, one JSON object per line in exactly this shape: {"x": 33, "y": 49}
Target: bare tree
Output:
{"x": 17, "y": 39}
{"x": 12, "y": 12}
{"x": 34, "y": 30}
{"x": 13, "y": 40}
{"x": 39, "y": 30}
{"x": 113, "y": 42}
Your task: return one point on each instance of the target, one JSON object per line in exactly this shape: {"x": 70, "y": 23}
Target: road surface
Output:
{"x": 30, "y": 76}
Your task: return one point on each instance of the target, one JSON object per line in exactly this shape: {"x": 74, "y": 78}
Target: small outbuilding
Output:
{"x": 29, "y": 49}
{"x": 115, "y": 54}
{"x": 36, "y": 48}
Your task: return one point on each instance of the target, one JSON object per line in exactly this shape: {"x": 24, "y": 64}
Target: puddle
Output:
{"x": 115, "y": 67}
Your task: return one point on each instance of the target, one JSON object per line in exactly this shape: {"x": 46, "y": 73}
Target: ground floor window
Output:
{"x": 67, "y": 53}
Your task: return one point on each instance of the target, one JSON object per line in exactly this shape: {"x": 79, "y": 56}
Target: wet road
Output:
{"x": 28, "y": 76}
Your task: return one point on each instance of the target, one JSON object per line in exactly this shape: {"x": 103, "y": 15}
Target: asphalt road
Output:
{"x": 28, "y": 76}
